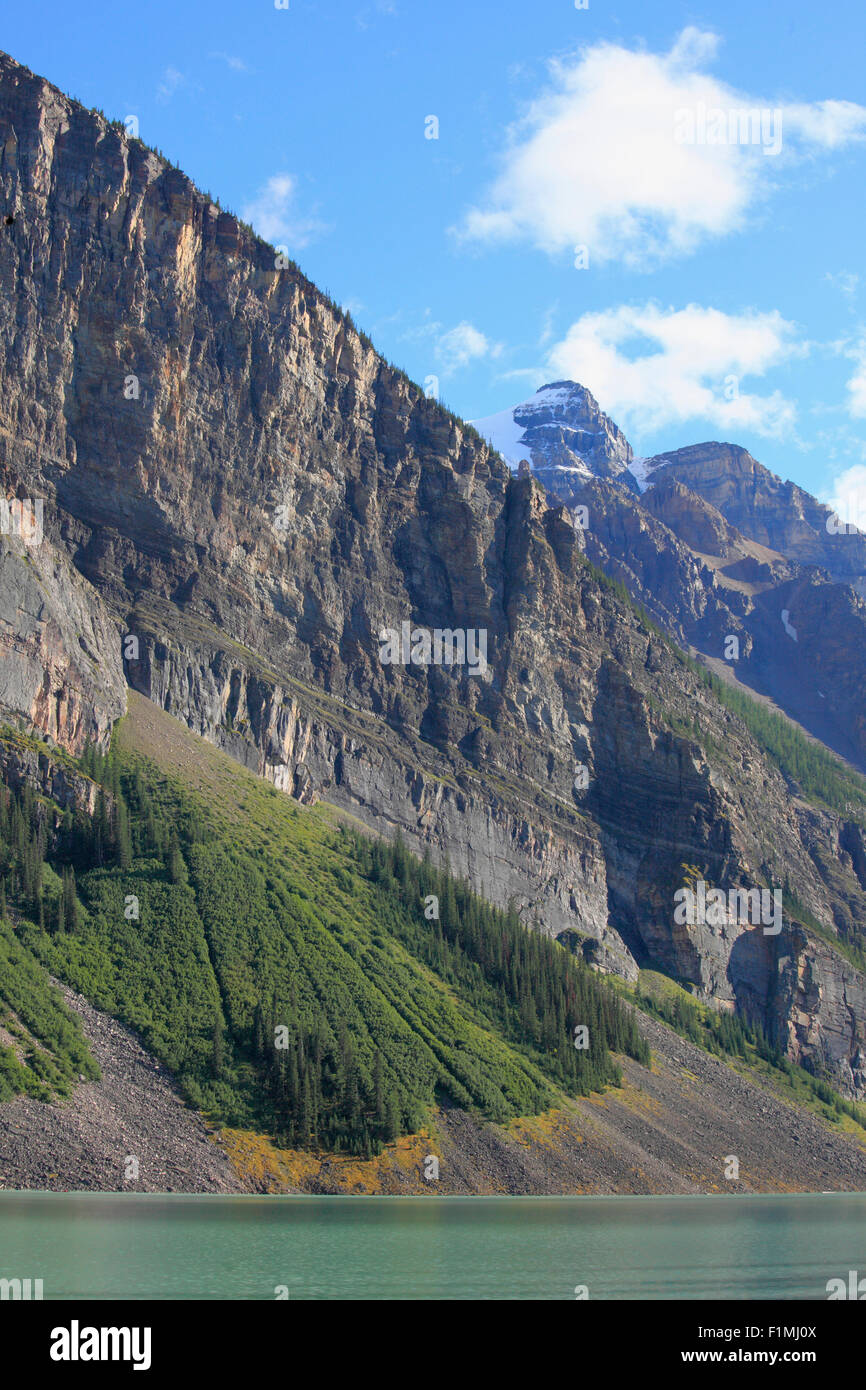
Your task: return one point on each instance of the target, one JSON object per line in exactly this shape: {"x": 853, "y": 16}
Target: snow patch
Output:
{"x": 786, "y": 624}
{"x": 582, "y": 468}
{"x": 640, "y": 469}
{"x": 504, "y": 434}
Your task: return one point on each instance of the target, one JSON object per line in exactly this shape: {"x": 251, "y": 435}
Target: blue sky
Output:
{"x": 723, "y": 294}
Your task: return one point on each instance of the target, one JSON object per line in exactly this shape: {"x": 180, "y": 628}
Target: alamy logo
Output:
{"x": 713, "y": 907}
{"x": 23, "y": 1289}
{"x": 712, "y": 125}
{"x": 856, "y": 1288}
{"x": 437, "y": 647}
{"x": 76, "y": 1343}
{"x": 22, "y": 517}
{"x": 855, "y": 515}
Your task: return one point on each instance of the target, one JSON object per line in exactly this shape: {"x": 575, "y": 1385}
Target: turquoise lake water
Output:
{"x": 180, "y": 1247}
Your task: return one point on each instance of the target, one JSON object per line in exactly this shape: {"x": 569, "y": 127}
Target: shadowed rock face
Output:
{"x": 704, "y": 581}
{"x": 234, "y": 478}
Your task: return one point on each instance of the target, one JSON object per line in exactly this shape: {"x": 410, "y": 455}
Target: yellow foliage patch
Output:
{"x": 266, "y": 1168}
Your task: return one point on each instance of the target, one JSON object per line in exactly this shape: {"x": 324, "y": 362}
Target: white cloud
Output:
{"x": 826, "y": 124}
{"x": 547, "y": 329}
{"x": 236, "y": 64}
{"x": 381, "y": 7}
{"x": 596, "y": 160}
{"x": 537, "y": 376}
{"x": 453, "y": 348}
{"x": 171, "y": 80}
{"x": 845, "y": 281}
{"x": 693, "y": 47}
{"x": 273, "y": 216}
{"x": 856, "y": 384}
{"x": 461, "y": 345}
{"x": 651, "y": 367}
{"x": 352, "y": 306}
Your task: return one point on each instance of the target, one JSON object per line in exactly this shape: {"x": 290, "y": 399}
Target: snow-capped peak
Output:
{"x": 560, "y": 431}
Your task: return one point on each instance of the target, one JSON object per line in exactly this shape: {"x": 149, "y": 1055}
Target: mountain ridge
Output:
{"x": 754, "y": 559}
{"x": 246, "y": 494}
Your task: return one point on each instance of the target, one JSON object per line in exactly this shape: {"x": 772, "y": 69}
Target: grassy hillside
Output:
{"x": 292, "y": 973}
{"x": 301, "y": 978}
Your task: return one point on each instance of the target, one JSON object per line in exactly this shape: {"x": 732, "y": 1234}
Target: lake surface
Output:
{"x": 182, "y": 1247}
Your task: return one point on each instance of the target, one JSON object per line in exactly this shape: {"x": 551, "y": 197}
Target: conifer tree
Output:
{"x": 217, "y": 1050}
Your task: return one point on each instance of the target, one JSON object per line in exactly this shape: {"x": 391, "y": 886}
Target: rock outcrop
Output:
{"x": 60, "y": 659}
{"x": 776, "y": 514}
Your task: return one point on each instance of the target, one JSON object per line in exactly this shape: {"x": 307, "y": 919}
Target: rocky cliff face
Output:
{"x": 801, "y": 636}
{"x": 765, "y": 509}
{"x": 240, "y": 495}
{"x": 60, "y": 663}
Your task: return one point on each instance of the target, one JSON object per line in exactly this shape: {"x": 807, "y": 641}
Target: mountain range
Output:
{"x": 221, "y": 504}
{"x": 715, "y": 546}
